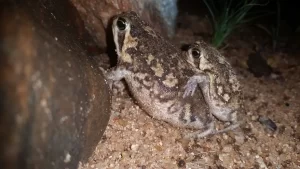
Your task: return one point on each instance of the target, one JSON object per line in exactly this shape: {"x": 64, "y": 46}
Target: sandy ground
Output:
{"x": 135, "y": 140}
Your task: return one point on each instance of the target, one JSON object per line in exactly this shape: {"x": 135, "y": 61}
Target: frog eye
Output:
{"x": 121, "y": 23}
{"x": 195, "y": 53}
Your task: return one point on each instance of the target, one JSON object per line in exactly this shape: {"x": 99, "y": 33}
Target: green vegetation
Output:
{"x": 227, "y": 15}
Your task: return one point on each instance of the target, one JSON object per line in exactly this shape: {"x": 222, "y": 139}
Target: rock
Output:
{"x": 97, "y": 15}
{"x": 261, "y": 164}
{"x": 54, "y": 104}
{"x": 227, "y": 149}
{"x": 181, "y": 163}
{"x": 257, "y": 65}
{"x": 268, "y": 123}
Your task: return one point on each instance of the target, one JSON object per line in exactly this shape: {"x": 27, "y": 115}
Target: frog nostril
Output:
{"x": 121, "y": 23}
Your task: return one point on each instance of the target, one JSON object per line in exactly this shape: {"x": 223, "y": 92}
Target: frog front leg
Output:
{"x": 116, "y": 74}
{"x": 200, "y": 79}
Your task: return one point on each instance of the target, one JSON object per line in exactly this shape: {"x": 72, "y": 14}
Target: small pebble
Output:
{"x": 227, "y": 149}
{"x": 268, "y": 123}
{"x": 181, "y": 163}
{"x": 225, "y": 136}
{"x": 134, "y": 147}
{"x": 261, "y": 163}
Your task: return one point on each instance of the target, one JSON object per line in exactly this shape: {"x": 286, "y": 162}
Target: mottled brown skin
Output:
{"x": 219, "y": 83}
{"x": 156, "y": 74}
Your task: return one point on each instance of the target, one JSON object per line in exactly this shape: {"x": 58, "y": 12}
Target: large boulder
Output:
{"x": 54, "y": 102}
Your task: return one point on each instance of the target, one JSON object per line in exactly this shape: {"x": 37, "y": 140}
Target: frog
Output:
{"x": 156, "y": 72}
{"x": 218, "y": 82}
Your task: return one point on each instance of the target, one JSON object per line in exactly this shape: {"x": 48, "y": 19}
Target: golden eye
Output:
{"x": 195, "y": 53}
{"x": 121, "y": 23}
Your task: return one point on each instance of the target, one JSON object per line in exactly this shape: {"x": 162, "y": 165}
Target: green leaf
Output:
{"x": 227, "y": 16}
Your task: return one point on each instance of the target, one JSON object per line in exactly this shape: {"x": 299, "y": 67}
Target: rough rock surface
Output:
{"x": 54, "y": 104}
{"x": 97, "y": 15}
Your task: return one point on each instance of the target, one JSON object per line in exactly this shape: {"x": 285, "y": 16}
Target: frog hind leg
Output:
{"x": 210, "y": 129}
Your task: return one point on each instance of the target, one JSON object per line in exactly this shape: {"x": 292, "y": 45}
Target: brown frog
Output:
{"x": 218, "y": 83}
{"x": 156, "y": 73}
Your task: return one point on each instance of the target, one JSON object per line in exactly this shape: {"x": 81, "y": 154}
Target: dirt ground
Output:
{"x": 135, "y": 140}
